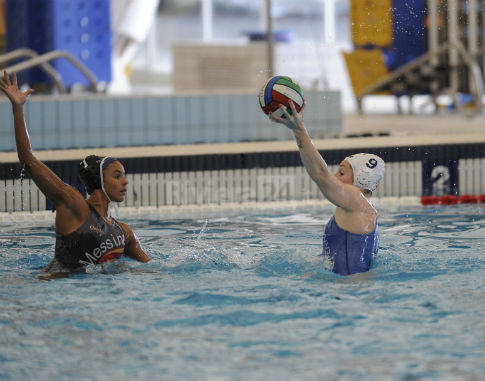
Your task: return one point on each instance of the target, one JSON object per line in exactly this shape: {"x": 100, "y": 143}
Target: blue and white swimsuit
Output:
{"x": 349, "y": 253}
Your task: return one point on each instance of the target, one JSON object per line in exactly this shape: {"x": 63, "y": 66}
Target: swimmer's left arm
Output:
{"x": 133, "y": 248}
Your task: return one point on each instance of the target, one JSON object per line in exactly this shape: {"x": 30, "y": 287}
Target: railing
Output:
{"x": 46, "y": 67}
{"x": 43, "y": 59}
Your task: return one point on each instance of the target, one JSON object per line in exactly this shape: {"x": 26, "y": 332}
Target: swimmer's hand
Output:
{"x": 12, "y": 91}
{"x": 294, "y": 121}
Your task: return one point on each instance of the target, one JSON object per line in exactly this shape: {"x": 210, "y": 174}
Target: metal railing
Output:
{"x": 46, "y": 67}
{"x": 42, "y": 62}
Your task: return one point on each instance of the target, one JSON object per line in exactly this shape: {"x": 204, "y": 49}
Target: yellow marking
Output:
{"x": 365, "y": 67}
{"x": 371, "y": 22}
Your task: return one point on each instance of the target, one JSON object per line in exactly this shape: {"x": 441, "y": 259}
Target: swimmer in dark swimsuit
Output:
{"x": 85, "y": 234}
{"x": 351, "y": 238}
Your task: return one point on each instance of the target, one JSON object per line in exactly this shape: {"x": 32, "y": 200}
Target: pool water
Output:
{"x": 247, "y": 297}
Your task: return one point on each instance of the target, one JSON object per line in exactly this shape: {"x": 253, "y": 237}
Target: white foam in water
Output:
{"x": 293, "y": 218}
{"x": 204, "y": 248}
{"x": 207, "y": 210}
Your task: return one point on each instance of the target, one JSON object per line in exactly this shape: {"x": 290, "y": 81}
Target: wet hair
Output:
{"x": 91, "y": 169}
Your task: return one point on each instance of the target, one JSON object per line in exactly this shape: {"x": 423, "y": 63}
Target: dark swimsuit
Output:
{"x": 349, "y": 253}
{"x": 95, "y": 241}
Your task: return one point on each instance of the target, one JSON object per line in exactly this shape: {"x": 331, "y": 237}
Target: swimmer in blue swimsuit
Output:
{"x": 351, "y": 237}
{"x": 85, "y": 234}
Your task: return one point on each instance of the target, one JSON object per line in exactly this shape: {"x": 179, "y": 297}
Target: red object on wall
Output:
{"x": 468, "y": 199}
{"x": 481, "y": 198}
{"x": 429, "y": 200}
{"x": 448, "y": 199}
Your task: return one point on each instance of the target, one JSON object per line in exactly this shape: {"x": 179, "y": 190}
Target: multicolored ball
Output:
{"x": 279, "y": 90}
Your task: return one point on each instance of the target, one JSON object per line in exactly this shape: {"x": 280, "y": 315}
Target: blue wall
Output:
{"x": 409, "y": 34}
{"x": 81, "y": 27}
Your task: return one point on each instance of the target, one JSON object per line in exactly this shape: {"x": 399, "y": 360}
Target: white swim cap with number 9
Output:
{"x": 368, "y": 170}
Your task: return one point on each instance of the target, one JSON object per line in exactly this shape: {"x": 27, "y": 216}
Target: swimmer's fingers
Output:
{"x": 11, "y": 89}
{"x": 286, "y": 119}
{"x": 3, "y": 84}
{"x": 302, "y": 110}
{"x": 283, "y": 119}
{"x": 25, "y": 93}
{"x": 14, "y": 79}
{"x": 286, "y": 114}
{"x": 293, "y": 108}
{"x": 277, "y": 119}
{"x": 296, "y": 113}
{"x": 295, "y": 117}
{"x": 6, "y": 78}
{"x": 28, "y": 92}
{"x": 289, "y": 120}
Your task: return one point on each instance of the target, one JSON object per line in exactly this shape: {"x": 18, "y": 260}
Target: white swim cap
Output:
{"x": 368, "y": 170}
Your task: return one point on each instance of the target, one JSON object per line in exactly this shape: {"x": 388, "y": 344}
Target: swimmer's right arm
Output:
{"x": 48, "y": 182}
{"x": 334, "y": 190}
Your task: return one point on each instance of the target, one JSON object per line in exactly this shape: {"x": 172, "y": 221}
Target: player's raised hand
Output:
{"x": 293, "y": 121}
{"x": 11, "y": 89}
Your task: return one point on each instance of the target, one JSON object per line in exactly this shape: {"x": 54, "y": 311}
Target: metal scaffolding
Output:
{"x": 455, "y": 59}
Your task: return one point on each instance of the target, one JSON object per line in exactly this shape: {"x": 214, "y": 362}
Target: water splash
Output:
{"x": 22, "y": 176}
{"x": 201, "y": 233}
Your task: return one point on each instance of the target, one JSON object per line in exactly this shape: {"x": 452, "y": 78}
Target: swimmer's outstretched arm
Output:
{"x": 133, "y": 248}
{"x": 48, "y": 182}
{"x": 343, "y": 195}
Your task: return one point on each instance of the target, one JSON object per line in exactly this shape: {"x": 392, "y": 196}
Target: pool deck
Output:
{"x": 412, "y": 125}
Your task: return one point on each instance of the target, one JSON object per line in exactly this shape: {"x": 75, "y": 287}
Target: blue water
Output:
{"x": 246, "y": 297}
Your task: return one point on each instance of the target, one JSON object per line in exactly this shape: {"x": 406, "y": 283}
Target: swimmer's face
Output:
{"x": 345, "y": 173}
{"x": 115, "y": 181}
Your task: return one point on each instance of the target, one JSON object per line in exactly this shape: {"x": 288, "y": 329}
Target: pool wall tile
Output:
{"x": 107, "y": 121}
{"x": 209, "y": 121}
{"x": 49, "y": 121}
{"x": 166, "y": 116}
{"x": 124, "y": 125}
{"x": 94, "y": 123}
{"x": 33, "y": 120}
{"x": 80, "y": 135}
{"x": 7, "y": 137}
{"x": 138, "y": 122}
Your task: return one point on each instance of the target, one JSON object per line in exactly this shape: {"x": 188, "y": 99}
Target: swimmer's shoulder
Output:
{"x": 358, "y": 222}
{"x": 127, "y": 231}
{"x": 72, "y": 215}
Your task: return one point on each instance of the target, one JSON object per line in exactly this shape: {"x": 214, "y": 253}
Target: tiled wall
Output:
{"x": 104, "y": 121}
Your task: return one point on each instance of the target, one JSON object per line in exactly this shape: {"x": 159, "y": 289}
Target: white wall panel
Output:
{"x": 243, "y": 185}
